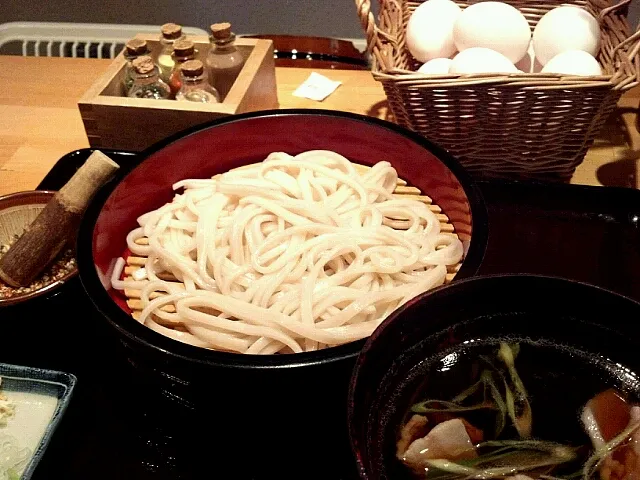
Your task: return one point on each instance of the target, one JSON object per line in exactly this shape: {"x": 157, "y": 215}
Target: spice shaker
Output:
{"x": 133, "y": 49}
{"x": 195, "y": 87}
{"x": 170, "y": 33}
{"x": 224, "y": 60}
{"x": 183, "y": 51}
{"x": 147, "y": 82}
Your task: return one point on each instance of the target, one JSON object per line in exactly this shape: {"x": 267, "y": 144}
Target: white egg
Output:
{"x": 430, "y": 30}
{"x": 493, "y": 25}
{"x": 565, "y": 28}
{"x": 573, "y": 62}
{"x": 436, "y": 65}
{"x": 481, "y": 60}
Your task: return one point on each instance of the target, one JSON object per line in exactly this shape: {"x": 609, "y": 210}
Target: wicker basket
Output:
{"x": 520, "y": 125}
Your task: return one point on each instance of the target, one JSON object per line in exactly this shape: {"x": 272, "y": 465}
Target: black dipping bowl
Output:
{"x": 292, "y": 406}
{"x": 556, "y": 311}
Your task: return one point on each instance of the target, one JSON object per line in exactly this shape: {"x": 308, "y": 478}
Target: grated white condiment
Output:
{"x": 7, "y": 408}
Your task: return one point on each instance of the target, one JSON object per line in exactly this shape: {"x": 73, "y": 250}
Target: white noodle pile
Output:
{"x": 289, "y": 255}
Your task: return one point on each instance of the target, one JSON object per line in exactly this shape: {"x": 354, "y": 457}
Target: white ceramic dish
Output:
{"x": 40, "y": 398}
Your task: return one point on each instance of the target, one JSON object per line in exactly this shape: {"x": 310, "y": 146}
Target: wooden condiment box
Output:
{"x": 112, "y": 120}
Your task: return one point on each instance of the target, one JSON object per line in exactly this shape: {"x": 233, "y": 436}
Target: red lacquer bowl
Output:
{"x": 320, "y": 378}
{"x": 246, "y": 139}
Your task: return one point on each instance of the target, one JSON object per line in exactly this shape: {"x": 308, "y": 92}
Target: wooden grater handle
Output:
{"x": 57, "y": 224}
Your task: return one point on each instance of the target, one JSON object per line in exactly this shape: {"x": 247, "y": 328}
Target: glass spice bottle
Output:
{"x": 170, "y": 33}
{"x": 133, "y": 49}
{"x": 147, "y": 82}
{"x": 224, "y": 60}
{"x": 195, "y": 87}
{"x": 183, "y": 51}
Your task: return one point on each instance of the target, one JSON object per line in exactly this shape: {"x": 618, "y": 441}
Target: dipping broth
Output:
{"x": 504, "y": 407}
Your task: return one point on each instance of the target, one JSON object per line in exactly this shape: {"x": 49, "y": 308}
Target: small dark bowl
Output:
{"x": 560, "y": 312}
{"x": 17, "y": 211}
{"x": 285, "y": 388}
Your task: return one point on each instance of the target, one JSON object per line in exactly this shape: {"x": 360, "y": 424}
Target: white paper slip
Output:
{"x": 316, "y": 87}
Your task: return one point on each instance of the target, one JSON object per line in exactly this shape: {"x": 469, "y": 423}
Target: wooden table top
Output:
{"x": 40, "y": 121}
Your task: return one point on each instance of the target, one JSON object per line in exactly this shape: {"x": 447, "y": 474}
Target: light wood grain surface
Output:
{"x": 40, "y": 121}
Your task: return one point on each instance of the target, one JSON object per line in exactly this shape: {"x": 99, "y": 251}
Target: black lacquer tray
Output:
{"x": 112, "y": 429}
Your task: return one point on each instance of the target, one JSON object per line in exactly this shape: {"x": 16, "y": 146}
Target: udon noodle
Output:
{"x": 288, "y": 255}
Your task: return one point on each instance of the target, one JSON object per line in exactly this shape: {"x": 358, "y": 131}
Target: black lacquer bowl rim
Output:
{"x": 459, "y": 289}
{"x": 143, "y": 337}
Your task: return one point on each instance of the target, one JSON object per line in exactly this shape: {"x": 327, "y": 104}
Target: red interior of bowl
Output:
{"x": 249, "y": 140}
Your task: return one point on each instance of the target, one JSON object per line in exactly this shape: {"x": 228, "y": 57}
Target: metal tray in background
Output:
{"x": 111, "y": 431}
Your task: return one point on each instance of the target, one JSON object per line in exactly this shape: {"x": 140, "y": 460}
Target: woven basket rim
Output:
{"x": 382, "y": 44}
